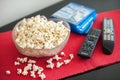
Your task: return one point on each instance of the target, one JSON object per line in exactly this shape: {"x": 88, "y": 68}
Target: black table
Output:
{"x": 110, "y": 72}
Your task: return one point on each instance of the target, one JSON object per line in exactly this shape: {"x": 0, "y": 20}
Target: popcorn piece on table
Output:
{"x": 62, "y": 54}
{"x": 31, "y": 61}
{"x": 19, "y": 71}
{"x": 25, "y": 73}
{"x": 8, "y": 72}
{"x": 59, "y": 64}
{"x": 25, "y": 59}
{"x": 51, "y": 66}
{"x": 40, "y": 69}
{"x": 56, "y": 57}
{"x": 49, "y": 60}
{"x": 32, "y": 74}
{"x": 16, "y": 63}
{"x": 26, "y": 68}
{"x": 19, "y": 59}
{"x": 67, "y": 61}
{"x": 71, "y": 56}
{"x": 35, "y": 67}
{"x": 22, "y": 60}
{"x": 42, "y": 76}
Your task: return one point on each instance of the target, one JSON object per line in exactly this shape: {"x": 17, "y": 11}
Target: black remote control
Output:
{"x": 89, "y": 44}
{"x": 108, "y": 36}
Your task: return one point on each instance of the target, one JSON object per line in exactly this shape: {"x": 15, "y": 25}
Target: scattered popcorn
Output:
{"x": 56, "y": 57}
{"x": 35, "y": 68}
{"x": 16, "y": 63}
{"x": 59, "y": 64}
{"x": 31, "y": 61}
{"x": 62, "y": 54}
{"x": 25, "y": 72}
{"x": 25, "y": 59}
{"x": 51, "y": 66}
{"x": 22, "y": 60}
{"x": 42, "y": 76}
{"x": 18, "y": 59}
{"x": 40, "y": 69}
{"x": 67, "y": 61}
{"x": 39, "y": 72}
{"x": 8, "y": 72}
{"x": 19, "y": 71}
{"x": 26, "y": 68}
{"x": 49, "y": 60}
{"x": 71, "y": 56}
{"x": 32, "y": 74}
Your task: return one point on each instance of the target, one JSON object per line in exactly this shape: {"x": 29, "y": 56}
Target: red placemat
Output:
{"x": 8, "y": 54}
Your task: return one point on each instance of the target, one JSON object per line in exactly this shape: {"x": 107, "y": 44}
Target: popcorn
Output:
{"x": 42, "y": 76}
{"x": 39, "y": 33}
{"x": 56, "y": 57}
{"x": 8, "y": 72}
{"x": 62, "y": 54}
{"x": 19, "y": 71}
{"x": 25, "y": 59}
{"x": 32, "y": 74}
{"x": 26, "y": 68}
{"x": 67, "y": 61}
{"x": 31, "y": 61}
{"x": 19, "y": 59}
{"x": 25, "y": 72}
{"x": 51, "y": 66}
{"x": 49, "y": 60}
{"x": 59, "y": 64}
{"x": 71, "y": 56}
{"x": 22, "y": 60}
{"x": 16, "y": 63}
{"x": 33, "y": 68}
{"x": 39, "y": 71}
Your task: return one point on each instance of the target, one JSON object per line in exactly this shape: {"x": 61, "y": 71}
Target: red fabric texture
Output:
{"x": 9, "y": 53}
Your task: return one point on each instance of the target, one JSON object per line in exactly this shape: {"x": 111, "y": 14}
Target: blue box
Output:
{"x": 79, "y": 17}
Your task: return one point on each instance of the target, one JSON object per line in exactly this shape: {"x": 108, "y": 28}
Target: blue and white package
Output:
{"x": 79, "y": 17}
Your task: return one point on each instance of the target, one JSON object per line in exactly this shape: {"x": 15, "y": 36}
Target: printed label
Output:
{"x": 73, "y": 13}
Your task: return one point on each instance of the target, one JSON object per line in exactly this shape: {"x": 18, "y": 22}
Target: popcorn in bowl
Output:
{"x": 37, "y": 36}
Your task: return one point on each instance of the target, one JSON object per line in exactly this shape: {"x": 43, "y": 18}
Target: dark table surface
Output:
{"x": 110, "y": 72}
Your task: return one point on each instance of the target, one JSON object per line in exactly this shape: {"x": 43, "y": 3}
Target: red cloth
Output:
{"x": 8, "y": 54}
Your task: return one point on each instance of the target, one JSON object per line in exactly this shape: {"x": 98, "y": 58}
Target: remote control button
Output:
{"x": 112, "y": 37}
{"x": 108, "y": 37}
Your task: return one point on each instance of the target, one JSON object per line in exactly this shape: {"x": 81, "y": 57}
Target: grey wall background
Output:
{"x": 10, "y": 10}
